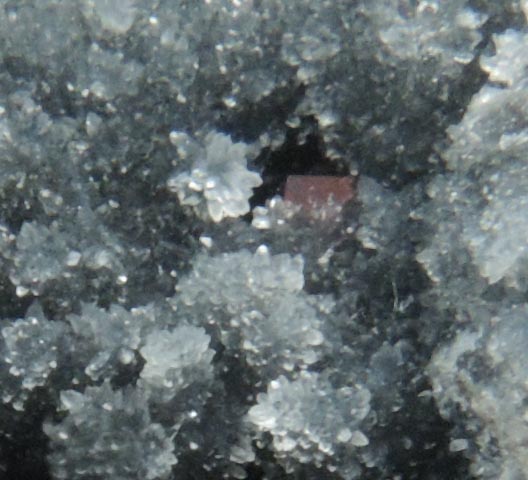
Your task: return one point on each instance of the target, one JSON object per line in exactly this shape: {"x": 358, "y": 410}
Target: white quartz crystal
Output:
{"x": 218, "y": 175}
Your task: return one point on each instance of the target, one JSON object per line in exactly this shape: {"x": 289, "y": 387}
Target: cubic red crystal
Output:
{"x": 316, "y": 192}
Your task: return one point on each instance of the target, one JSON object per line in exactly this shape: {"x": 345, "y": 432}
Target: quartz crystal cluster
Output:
{"x": 169, "y": 310}
{"x": 311, "y": 421}
{"x": 218, "y": 175}
{"x": 108, "y": 432}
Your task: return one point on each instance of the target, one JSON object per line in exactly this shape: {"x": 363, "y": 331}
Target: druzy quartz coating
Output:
{"x": 257, "y": 239}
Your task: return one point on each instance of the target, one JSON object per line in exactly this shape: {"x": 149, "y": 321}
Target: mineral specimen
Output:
{"x": 167, "y": 308}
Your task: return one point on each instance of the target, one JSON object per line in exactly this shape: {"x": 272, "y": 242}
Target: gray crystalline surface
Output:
{"x": 116, "y": 17}
{"x": 109, "y": 433}
{"x": 165, "y": 313}
{"x": 112, "y": 337}
{"x": 259, "y": 306}
{"x": 495, "y": 402}
{"x": 30, "y": 354}
{"x": 477, "y": 376}
{"x": 309, "y": 419}
{"x": 174, "y": 360}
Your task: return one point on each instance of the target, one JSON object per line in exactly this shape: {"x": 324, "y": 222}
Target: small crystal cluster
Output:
{"x": 21, "y": 373}
{"x": 175, "y": 360}
{"x": 312, "y": 421}
{"x": 105, "y": 339}
{"x": 107, "y": 432}
{"x": 46, "y": 255}
{"x": 257, "y": 301}
{"x": 218, "y": 175}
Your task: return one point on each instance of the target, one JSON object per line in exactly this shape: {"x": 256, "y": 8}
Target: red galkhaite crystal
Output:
{"x": 313, "y": 192}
